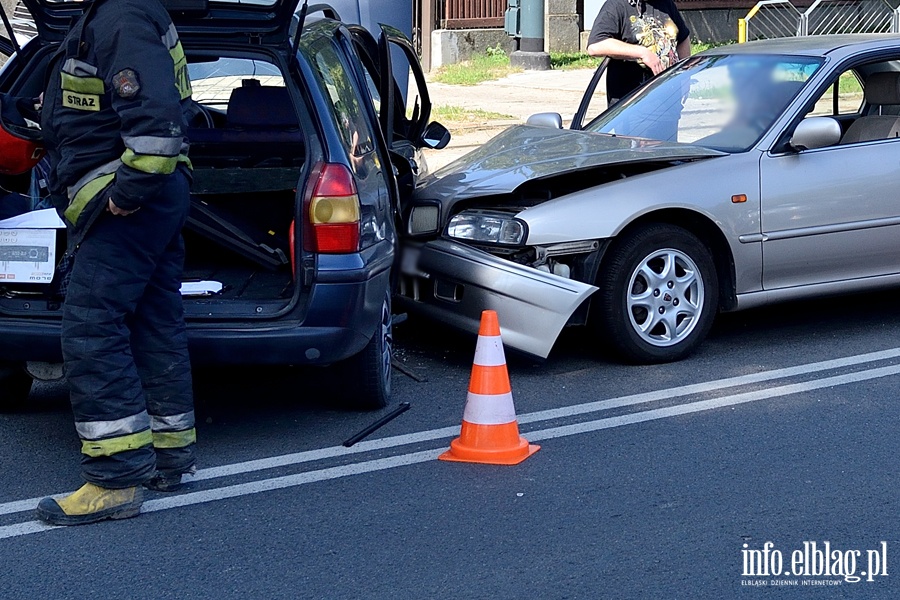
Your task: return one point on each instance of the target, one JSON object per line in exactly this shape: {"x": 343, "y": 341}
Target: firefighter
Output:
{"x": 113, "y": 123}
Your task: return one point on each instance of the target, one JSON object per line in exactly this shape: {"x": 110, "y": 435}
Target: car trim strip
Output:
{"x": 835, "y": 228}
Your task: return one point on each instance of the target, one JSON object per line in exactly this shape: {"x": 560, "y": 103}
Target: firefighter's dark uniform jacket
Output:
{"x": 113, "y": 122}
{"x": 113, "y": 111}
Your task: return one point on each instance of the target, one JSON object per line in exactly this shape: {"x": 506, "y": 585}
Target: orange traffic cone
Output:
{"x": 490, "y": 433}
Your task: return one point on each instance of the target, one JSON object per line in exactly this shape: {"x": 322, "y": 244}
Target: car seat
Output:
{"x": 880, "y": 89}
{"x": 261, "y": 126}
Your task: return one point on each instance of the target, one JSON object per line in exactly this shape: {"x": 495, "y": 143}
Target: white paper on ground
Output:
{"x": 200, "y": 288}
{"x": 36, "y": 219}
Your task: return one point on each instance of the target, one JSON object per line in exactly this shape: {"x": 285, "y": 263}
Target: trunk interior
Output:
{"x": 247, "y": 166}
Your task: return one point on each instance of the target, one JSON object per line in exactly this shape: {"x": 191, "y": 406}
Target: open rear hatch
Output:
{"x": 248, "y": 167}
{"x": 265, "y": 21}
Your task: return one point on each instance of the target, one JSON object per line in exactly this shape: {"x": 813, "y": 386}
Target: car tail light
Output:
{"x": 333, "y": 212}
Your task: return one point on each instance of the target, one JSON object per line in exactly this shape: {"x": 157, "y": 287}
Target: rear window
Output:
{"x": 213, "y": 81}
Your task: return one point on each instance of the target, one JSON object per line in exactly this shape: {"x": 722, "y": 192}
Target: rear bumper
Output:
{"x": 341, "y": 315}
{"x": 284, "y": 343}
{"x": 454, "y": 283}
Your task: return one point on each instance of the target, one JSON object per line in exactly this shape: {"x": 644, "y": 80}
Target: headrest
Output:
{"x": 883, "y": 88}
{"x": 266, "y": 107}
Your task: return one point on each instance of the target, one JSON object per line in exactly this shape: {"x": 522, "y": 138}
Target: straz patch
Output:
{"x": 78, "y": 101}
{"x": 126, "y": 83}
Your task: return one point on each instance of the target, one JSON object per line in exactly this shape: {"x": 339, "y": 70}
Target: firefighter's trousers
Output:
{"x": 125, "y": 345}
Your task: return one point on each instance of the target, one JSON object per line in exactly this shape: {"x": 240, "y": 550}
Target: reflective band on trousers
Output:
{"x": 96, "y": 430}
{"x": 174, "y": 439}
{"x": 494, "y": 409}
{"x": 115, "y": 445}
{"x": 489, "y": 351}
{"x": 178, "y": 422}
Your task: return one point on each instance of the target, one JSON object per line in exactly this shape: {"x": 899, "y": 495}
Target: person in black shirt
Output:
{"x": 641, "y": 37}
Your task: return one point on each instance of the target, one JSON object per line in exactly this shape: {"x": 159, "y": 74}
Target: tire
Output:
{"x": 648, "y": 317}
{"x": 15, "y": 385}
{"x": 366, "y": 377}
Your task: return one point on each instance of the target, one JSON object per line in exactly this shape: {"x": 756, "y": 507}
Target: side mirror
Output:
{"x": 547, "y": 119}
{"x": 816, "y": 132}
{"x": 436, "y": 136}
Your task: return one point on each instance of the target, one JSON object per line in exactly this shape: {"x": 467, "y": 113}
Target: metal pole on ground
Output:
{"x": 531, "y": 55}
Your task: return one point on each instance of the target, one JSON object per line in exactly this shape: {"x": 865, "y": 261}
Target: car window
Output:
{"x": 725, "y": 102}
{"x": 213, "y": 81}
{"x": 843, "y": 97}
{"x": 408, "y": 85}
{"x": 331, "y": 73}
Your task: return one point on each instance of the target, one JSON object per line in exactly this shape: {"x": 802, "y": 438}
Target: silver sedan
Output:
{"x": 742, "y": 176}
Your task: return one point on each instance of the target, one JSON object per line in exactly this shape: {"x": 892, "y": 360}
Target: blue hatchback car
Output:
{"x": 303, "y": 152}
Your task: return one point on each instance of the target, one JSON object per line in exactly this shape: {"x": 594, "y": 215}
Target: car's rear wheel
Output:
{"x": 15, "y": 385}
{"x": 658, "y": 294}
{"x": 367, "y": 376}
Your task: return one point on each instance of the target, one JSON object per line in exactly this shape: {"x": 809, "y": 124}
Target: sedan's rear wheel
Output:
{"x": 658, "y": 294}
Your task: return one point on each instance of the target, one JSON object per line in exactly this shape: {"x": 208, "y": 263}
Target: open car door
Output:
{"x": 398, "y": 88}
{"x": 592, "y": 103}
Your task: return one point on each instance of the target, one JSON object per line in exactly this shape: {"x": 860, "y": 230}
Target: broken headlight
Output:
{"x": 487, "y": 227}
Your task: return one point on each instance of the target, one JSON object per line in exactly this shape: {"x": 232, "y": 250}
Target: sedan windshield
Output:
{"x": 725, "y": 102}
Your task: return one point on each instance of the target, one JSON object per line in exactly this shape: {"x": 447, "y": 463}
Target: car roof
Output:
{"x": 812, "y": 45}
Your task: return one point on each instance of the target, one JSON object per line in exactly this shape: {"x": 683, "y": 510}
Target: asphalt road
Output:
{"x": 783, "y": 428}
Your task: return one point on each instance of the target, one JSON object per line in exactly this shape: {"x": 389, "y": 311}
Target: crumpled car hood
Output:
{"x": 525, "y": 152}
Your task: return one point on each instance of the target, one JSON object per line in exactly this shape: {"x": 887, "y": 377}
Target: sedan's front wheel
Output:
{"x": 658, "y": 294}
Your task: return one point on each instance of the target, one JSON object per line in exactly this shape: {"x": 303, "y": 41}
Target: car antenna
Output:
{"x": 301, "y": 18}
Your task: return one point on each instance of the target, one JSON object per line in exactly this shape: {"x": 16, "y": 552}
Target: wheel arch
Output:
{"x": 706, "y": 230}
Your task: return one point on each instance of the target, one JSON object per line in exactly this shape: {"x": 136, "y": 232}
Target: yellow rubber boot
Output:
{"x": 91, "y": 503}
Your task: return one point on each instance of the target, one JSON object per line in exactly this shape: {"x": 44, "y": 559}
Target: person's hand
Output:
{"x": 651, "y": 61}
{"x": 119, "y": 212}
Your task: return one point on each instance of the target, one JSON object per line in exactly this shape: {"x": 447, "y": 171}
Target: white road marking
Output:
{"x": 693, "y": 407}
{"x": 255, "y": 487}
{"x": 295, "y": 458}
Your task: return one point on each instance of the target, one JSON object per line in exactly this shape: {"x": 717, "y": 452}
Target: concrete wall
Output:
{"x": 449, "y": 46}
{"x": 562, "y": 26}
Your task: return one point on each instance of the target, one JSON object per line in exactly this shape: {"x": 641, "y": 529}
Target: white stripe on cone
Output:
{"x": 489, "y": 351}
{"x": 489, "y": 409}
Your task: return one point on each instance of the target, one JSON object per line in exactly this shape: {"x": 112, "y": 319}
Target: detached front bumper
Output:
{"x": 453, "y": 283}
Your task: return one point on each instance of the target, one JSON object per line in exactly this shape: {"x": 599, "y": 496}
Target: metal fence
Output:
{"x": 782, "y": 18}
{"x": 470, "y": 14}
